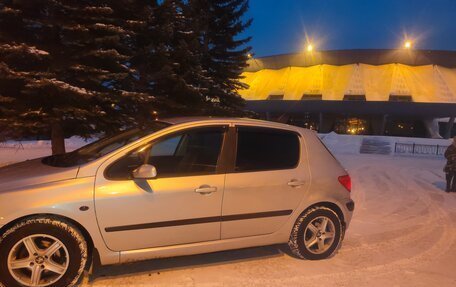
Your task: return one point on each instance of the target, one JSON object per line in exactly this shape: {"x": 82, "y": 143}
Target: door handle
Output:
{"x": 206, "y": 189}
{"x": 296, "y": 183}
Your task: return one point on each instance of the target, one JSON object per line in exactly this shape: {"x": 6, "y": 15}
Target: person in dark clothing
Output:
{"x": 450, "y": 167}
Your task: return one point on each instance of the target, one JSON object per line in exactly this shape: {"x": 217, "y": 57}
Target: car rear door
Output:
{"x": 268, "y": 179}
{"x": 181, "y": 205}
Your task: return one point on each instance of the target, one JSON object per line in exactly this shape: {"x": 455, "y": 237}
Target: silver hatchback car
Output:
{"x": 177, "y": 187}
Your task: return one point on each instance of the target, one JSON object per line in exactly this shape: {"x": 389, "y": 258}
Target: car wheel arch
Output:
{"x": 88, "y": 238}
{"x": 334, "y": 207}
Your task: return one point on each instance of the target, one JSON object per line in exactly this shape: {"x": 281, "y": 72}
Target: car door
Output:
{"x": 267, "y": 181}
{"x": 181, "y": 205}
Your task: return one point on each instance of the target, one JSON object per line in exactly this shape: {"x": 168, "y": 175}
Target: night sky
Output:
{"x": 281, "y": 26}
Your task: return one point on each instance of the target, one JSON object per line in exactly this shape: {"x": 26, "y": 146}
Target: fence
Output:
{"x": 424, "y": 149}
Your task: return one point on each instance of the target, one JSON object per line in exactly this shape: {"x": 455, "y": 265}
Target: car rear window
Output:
{"x": 262, "y": 149}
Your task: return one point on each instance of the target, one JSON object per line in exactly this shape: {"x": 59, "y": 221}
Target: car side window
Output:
{"x": 165, "y": 147}
{"x": 123, "y": 167}
{"x": 192, "y": 152}
{"x": 262, "y": 149}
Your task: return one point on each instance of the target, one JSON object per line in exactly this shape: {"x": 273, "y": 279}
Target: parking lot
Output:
{"x": 403, "y": 233}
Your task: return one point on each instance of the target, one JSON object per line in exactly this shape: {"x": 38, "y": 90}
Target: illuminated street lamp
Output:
{"x": 250, "y": 57}
{"x": 407, "y": 44}
{"x": 309, "y": 48}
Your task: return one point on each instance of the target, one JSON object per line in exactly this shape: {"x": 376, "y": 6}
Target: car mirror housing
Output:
{"x": 145, "y": 171}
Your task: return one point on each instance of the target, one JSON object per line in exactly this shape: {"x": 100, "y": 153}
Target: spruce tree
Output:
{"x": 65, "y": 70}
{"x": 190, "y": 57}
{"x": 225, "y": 54}
{"x": 78, "y": 67}
{"x": 169, "y": 60}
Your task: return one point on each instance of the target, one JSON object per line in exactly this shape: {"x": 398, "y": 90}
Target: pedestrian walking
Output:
{"x": 450, "y": 167}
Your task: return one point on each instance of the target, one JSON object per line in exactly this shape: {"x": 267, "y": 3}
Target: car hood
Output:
{"x": 32, "y": 172}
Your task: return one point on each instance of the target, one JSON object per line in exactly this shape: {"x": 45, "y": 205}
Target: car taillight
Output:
{"x": 345, "y": 180}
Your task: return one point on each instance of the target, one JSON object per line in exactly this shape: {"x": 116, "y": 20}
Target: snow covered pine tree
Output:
{"x": 169, "y": 60}
{"x": 83, "y": 67}
{"x": 190, "y": 56}
{"x": 225, "y": 55}
{"x": 64, "y": 68}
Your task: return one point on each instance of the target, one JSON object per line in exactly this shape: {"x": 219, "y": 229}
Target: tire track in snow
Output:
{"x": 399, "y": 225}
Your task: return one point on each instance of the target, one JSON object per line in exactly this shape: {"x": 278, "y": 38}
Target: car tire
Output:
{"x": 59, "y": 253}
{"x": 316, "y": 234}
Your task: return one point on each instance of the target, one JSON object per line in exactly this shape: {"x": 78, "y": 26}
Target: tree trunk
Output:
{"x": 57, "y": 139}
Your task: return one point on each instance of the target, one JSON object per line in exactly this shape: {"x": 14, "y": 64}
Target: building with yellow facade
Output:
{"x": 378, "y": 92}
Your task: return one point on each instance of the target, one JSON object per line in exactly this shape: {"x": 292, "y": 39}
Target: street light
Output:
{"x": 407, "y": 44}
{"x": 250, "y": 57}
{"x": 309, "y": 48}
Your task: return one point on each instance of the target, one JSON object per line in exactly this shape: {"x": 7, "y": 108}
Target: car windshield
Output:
{"x": 102, "y": 147}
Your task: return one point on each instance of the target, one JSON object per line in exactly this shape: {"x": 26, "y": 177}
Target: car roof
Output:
{"x": 183, "y": 120}
{"x": 248, "y": 121}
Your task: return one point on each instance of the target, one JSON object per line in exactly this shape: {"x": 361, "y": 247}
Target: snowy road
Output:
{"x": 403, "y": 233}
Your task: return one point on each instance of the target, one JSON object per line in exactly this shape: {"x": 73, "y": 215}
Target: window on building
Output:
{"x": 261, "y": 149}
{"x": 354, "y": 97}
{"x": 400, "y": 98}
{"x": 305, "y": 120}
{"x": 404, "y": 127}
{"x": 311, "y": 97}
{"x": 275, "y": 97}
{"x": 351, "y": 125}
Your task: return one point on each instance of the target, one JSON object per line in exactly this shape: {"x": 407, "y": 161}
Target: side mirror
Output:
{"x": 145, "y": 171}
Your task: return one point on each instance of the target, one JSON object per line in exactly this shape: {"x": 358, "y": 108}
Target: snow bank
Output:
{"x": 351, "y": 144}
{"x": 343, "y": 144}
{"x": 13, "y": 151}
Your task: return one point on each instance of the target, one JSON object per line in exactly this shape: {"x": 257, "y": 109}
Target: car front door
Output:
{"x": 181, "y": 205}
{"x": 266, "y": 183}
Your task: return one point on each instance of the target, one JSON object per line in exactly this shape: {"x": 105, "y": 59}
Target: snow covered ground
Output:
{"x": 12, "y": 151}
{"x": 403, "y": 233}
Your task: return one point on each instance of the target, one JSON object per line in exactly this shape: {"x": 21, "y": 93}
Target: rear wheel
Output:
{"x": 41, "y": 251}
{"x": 316, "y": 235}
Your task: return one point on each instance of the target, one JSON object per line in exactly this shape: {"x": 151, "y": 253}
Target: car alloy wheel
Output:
{"x": 319, "y": 235}
{"x": 38, "y": 260}
{"x": 42, "y": 251}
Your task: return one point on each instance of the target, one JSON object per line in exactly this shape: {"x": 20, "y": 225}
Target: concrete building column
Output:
{"x": 378, "y": 125}
{"x": 326, "y": 124}
{"x": 449, "y": 128}
{"x": 432, "y": 128}
{"x": 320, "y": 122}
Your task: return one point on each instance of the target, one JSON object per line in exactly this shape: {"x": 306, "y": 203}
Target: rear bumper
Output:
{"x": 348, "y": 208}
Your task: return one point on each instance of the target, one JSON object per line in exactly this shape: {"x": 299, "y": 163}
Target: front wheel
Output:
{"x": 40, "y": 252}
{"x": 316, "y": 235}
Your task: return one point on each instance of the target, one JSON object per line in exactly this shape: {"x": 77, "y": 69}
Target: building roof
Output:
{"x": 346, "y": 57}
